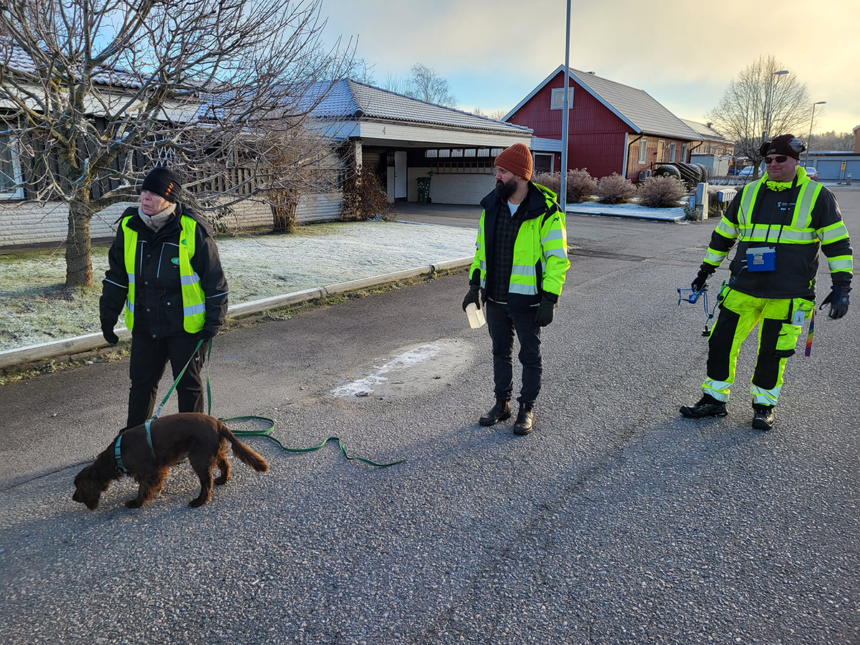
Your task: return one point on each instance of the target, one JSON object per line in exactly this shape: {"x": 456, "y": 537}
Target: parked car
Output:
{"x": 812, "y": 173}
{"x": 746, "y": 172}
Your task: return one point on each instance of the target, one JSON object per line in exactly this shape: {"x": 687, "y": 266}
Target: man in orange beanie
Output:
{"x": 518, "y": 272}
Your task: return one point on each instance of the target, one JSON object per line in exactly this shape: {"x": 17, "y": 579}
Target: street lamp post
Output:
{"x": 811, "y": 121}
{"x": 769, "y": 102}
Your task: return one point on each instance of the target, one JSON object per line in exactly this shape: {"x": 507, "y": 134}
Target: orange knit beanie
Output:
{"x": 516, "y": 159}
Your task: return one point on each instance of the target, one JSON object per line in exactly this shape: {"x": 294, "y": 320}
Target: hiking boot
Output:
{"x": 763, "y": 419}
{"x": 525, "y": 420}
{"x": 499, "y": 412}
{"x": 707, "y": 406}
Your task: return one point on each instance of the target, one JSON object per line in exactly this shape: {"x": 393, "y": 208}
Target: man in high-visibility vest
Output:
{"x": 782, "y": 220}
{"x": 165, "y": 272}
{"x": 518, "y": 272}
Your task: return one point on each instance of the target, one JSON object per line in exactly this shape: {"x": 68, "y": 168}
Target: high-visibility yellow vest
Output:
{"x": 193, "y": 305}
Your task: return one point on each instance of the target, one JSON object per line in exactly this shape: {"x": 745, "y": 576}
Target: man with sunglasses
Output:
{"x": 782, "y": 220}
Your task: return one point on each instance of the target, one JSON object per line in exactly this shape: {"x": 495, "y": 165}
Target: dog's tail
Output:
{"x": 243, "y": 452}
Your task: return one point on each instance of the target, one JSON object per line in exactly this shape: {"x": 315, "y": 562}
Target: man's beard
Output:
{"x": 504, "y": 190}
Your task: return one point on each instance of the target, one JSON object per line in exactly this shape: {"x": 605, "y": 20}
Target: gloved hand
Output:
{"x": 473, "y": 297}
{"x": 545, "y": 312}
{"x": 206, "y": 335}
{"x": 699, "y": 283}
{"x": 838, "y": 299}
{"x": 108, "y": 333}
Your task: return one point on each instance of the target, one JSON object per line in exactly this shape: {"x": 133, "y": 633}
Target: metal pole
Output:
{"x": 565, "y": 117}
{"x": 811, "y": 121}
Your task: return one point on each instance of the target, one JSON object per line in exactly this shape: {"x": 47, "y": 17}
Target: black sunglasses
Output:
{"x": 777, "y": 159}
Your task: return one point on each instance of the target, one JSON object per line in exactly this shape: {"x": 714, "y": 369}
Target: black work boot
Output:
{"x": 707, "y": 406}
{"x": 525, "y": 420}
{"x": 499, "y": 412}
{"x": 763, "y": 419}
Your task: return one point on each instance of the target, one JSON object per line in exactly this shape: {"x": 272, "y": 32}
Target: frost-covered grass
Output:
{"x": 36, "y": 308}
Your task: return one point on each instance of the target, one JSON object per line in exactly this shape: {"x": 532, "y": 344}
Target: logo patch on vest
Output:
{"x": 175, "y": 261}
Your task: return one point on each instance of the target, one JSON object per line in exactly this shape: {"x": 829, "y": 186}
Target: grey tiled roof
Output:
{"x": 636, "y": 107}
{"x": 348, "y": 98}
{"x": 19, "y": 60}
{"x": 706, "y": 133}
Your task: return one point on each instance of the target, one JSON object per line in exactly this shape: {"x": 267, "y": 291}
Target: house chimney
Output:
{"x": 857, "y": 139}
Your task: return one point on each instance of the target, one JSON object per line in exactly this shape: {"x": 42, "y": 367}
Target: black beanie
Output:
{"x": 785, "y": 144}
{"x": 164, "y": 182}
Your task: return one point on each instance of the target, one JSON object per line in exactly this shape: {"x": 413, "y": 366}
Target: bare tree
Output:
{"x": 759, "y": 100}
{"x": 361, "y": 72}
{"x": 426, "y": 85}
{"x": 496, "y": 115}
{"x": 395, "y": 84}
{"x": 97, "y": 92}
{"x": 832, "y": 141}
{"x": 292, "y": 163}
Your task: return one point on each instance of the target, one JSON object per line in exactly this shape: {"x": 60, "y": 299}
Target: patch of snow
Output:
{"x": 35, "y": 307}
{"x": 364, "y": 386}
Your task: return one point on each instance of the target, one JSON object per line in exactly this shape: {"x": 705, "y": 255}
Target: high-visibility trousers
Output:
{"x": 780, "y": 325}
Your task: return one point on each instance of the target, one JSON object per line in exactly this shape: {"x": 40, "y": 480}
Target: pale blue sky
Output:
{"x": 495, "y": 52}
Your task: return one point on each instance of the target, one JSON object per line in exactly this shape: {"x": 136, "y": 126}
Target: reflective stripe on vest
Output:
{"x": 799, "y": 232}
{"x": 193, "y": 307}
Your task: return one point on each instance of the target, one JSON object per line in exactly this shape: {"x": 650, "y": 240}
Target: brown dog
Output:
{"x": 203, "y": 439}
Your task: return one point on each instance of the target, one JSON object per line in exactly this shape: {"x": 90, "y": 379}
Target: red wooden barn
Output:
{"x": 613, "y": 128}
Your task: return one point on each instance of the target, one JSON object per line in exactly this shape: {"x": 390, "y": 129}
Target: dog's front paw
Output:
{"x": 197, "y": 503}
{"x": 134, "y": 503}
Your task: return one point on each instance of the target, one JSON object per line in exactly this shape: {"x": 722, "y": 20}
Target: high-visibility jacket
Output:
{"x": 193, "y": 307}
{"x": 168, "y": 282}
{"x": 540, "y": 250}
{"x": 798, "y": 219}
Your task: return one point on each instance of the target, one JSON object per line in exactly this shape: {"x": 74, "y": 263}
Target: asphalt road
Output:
{"x": 617, "y": 521}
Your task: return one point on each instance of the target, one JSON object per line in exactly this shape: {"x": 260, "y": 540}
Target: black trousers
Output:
{"x": 503, "y": 324}
{"x": 148, "y": 360}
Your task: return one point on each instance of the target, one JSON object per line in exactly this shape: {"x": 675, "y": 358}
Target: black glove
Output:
{"x": 107, "y": 332}
{"x": 207, "y": 335}
{"x": 838, "y": 299}
{"x": 473, "y": 297}
{"x": 699, "y": 283}
{"x": 545, "y": 311}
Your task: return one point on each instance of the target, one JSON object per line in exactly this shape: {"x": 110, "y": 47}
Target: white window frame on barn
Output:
{"x": 643, "y": 150}
{"x": 673, "y": 147}
{"x": 551, "y": 161}
{"x": 558, "y": 98}
{"x": 684, "y": 153}
{"x": 10, "y": 162}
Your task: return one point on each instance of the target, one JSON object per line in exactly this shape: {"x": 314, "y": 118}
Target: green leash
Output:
{"x": 266, "y": 433}
{"x": 256, "y": 433}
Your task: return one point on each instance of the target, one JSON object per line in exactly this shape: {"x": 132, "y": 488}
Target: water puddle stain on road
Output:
{"x": 411, "y": 371}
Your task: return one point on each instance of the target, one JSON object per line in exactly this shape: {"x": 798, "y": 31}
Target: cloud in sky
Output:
{"x": 494, "y": 53}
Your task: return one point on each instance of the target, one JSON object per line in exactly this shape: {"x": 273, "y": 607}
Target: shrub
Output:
{"x": 364, "y": 197}
{"x": 615, "y": 189}
{"x": 661, "y": 192}
{"x": 580, "y": 185}
{"x": 551, "y": 180}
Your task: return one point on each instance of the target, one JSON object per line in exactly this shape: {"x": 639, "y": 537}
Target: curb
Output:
{"x": 78, "y": 344}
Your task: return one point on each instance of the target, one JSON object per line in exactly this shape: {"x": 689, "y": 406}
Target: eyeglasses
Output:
{"x": 777, "y": 159}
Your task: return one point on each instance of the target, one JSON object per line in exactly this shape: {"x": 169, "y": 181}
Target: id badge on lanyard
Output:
{"x": 761, "y": 258}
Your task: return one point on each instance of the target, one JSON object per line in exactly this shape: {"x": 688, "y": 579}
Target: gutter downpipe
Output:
{"x": 627, "y": 149}
{"x": 565, "y": 117}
